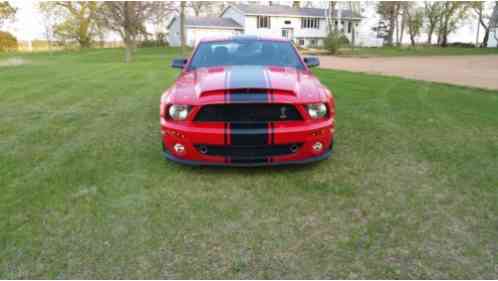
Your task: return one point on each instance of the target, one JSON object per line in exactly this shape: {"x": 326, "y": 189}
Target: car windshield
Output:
{"x": 246, "y": 52}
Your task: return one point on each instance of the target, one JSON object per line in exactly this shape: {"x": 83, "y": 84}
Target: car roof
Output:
{"x": 242, "y": 37}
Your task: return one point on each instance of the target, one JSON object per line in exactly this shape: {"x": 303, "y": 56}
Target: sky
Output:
{"x": 29, "y": 23}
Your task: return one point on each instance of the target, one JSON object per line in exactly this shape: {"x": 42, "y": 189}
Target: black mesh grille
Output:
{"x": 248, "y": 152}
{"x": 247, "y": 113}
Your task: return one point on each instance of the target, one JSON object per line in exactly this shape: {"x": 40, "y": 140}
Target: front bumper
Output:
{"x": 171, "y": 157}
{"x": 219, "y": 134}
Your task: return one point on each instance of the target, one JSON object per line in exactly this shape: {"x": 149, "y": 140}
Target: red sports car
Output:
{"x": 247, "y": 101}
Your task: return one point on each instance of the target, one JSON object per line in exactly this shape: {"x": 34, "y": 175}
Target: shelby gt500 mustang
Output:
{"x": 246, "y": 101}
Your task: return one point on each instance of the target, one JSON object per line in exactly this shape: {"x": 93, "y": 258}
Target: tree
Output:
{"x": 414, "y": 21}
{"x": 494, "y": 21}
{"x": 452, "y": 14}
{"x": 404, "y": 7}
{"x": 432, "y": 12}
{"x": 389, "y": 11}
{"x": 78, "y": 20}
{"x": 331, "y": 9}
{"x": 482, "y": 17}
{"x": 128, "y": 20}
{"x": 334, "y": 41}
{"x": 7, "y": 12}
{"x": 478, "y": 7}
{"x": 7, "y": 42}
{"x": 50, "y": 18}
{"x": 200, "y": 7}
{"x": 355, "y": 11}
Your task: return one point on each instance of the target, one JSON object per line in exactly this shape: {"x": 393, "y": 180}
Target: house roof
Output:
{"x": 242, "y": 37}
{"x": 213, "y": 22}
{"x": 281, "y": 10}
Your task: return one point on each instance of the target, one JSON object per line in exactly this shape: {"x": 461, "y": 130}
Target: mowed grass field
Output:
{"x": 411, "y": 190}
{"x": 415, "y": 51}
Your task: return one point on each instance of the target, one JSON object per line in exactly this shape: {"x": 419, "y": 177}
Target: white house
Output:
{"x": 307, "y": 27}
{"x": 493, "y": 38}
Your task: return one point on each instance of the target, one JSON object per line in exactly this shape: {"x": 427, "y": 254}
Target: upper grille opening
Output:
{"x": 250, "y": 113}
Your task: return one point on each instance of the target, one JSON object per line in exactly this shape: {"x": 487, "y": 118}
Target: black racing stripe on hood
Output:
{"x": 250, "y": 84}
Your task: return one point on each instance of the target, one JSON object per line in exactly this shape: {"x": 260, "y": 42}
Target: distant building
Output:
{"x": 307, "y": 27}
{"x": 493, "y": 38}
{"x": 198, "y": 27}
{"x": 493, "y": 30}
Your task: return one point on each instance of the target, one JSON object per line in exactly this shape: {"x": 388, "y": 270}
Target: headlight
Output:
{"x": 316, "y": 111}
{"x": 179, "y": 112}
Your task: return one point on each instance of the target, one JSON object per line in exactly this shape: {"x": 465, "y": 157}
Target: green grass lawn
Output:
{"x": 415, "y": 51}
{"x": 411, "y": 191}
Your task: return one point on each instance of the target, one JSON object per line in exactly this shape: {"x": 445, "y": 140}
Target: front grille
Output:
{"x": 248, "y": 151}
{"x": 247, "y": 113}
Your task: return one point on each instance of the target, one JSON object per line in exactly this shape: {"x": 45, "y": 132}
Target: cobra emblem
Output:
{"x": 283, "y": 114}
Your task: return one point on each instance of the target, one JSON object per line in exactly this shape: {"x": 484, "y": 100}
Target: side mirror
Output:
{"x": 179, "y": 63}
{"x": 312, "y": 61}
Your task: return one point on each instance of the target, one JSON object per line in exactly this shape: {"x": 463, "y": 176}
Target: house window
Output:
{"x": 313, "y": 42}
{"x": 263, "y": 22}
{"x": 350, "y": 27}
{"x": 287, "y": 22}
{"x": 301, "y": 42}
{"x": 310, "y": 23}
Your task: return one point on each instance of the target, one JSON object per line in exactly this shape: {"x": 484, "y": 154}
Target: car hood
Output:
{"x": 202, "y": 84}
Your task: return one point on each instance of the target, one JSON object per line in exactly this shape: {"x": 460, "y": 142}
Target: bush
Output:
{"x": 7, "y": 42}
{"x": 334, "y": 42}
{"x": 461, "y": 45}
{"x": 160, "y": 41}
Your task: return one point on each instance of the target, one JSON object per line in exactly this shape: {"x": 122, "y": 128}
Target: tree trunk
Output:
{"x": 479, "y": 19}
{"x": 484, "y": 43}
{"x": 412, "y": 39}
{"x": 182, "y": 26}
{"x": 396, "y": 12}
{"x": 128, "y": 11}
{"x": 429, "y": 35}
{"x": 444, "y": 39}
{"x": 403, "y": 20}
{"x": 352, "y": 29}
{"x": 390, "y": 32}
{"x": 128, "y": 52}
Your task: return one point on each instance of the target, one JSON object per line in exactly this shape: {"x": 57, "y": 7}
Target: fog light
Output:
{"x": 179, "y": 148}
{"x": 294, "y": 148}
{"x": 203, "y": 149}
{"x": 317, "y": 146}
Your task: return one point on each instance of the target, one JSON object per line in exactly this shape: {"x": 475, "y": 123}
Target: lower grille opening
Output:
{"x": 253, "y": 112}
{"x": 248, "y": 151}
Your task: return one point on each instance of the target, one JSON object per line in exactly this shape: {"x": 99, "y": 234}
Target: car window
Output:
{"x": 246, "y": 52}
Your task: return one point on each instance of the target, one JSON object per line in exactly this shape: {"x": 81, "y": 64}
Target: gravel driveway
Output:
{"x": 475, "y": 71}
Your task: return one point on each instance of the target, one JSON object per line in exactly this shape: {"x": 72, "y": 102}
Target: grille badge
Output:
{"x": 283, "y": 111}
